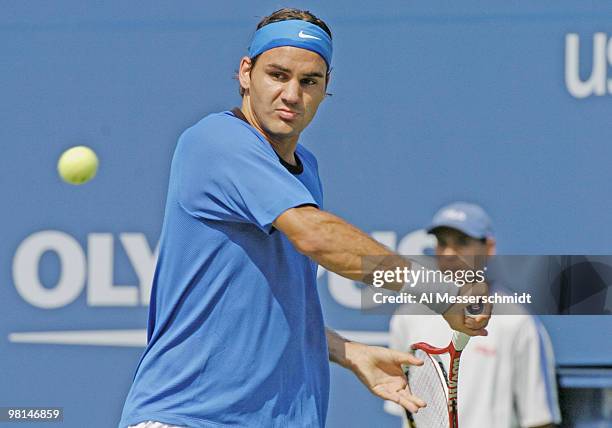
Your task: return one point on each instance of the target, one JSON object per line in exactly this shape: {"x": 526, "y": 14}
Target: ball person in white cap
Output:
{"x": 508, "y": 377}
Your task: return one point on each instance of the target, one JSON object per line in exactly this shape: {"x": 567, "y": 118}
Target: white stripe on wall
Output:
{"x": 138, "y": 338}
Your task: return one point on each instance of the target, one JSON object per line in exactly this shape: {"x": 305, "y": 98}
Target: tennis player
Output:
{"x": 507, "y": 378}
{"x": 236, "y": 335}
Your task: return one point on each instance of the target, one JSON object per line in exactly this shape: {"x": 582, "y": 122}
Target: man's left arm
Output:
{"x": 378, "y": 368}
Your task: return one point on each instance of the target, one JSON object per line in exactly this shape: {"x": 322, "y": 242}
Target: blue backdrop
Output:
{"x": 504, "y": 104}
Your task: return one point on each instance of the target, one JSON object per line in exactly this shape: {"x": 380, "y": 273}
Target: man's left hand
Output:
{"x": 380, "y": 370}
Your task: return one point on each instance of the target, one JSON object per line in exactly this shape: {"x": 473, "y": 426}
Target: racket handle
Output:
{"x": 460, "y": 340}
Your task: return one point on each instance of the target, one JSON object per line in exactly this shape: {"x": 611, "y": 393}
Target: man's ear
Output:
{"x": 327, "y": 80}
{"x": 244, "y": 73}
{"x": 491, "y": 246}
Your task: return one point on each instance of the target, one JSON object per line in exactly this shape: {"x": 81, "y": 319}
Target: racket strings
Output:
{"x": 428, "y": 383}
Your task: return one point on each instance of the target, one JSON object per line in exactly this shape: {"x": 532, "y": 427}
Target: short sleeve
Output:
{"x": 534, "y": 385}
{"x": 226, "y": 172}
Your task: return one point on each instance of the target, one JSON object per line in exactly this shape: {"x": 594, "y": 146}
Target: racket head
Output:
{"x": 428, "y": 382}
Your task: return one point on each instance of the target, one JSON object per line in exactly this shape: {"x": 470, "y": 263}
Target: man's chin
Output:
{"x": 283, "y": 132}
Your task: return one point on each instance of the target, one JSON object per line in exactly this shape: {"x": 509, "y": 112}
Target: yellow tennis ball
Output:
{"x": 78, "y": 165}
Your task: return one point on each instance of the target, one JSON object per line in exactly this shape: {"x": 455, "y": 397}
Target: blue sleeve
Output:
{"x": 225, "y": 172}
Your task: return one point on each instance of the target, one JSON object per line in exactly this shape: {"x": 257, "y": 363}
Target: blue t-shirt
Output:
{"x": 236, "y": 335}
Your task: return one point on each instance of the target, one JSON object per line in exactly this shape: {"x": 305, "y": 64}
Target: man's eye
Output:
{"x": 276, "y": 75}
{"x": 309, "y": 82}
{"x": 463, "y": 242}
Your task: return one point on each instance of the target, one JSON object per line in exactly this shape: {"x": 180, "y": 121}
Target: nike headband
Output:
{"x": 294, "y": 32}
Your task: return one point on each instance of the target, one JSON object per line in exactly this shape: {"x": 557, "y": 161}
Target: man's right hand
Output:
{"x": 473, "y": 325}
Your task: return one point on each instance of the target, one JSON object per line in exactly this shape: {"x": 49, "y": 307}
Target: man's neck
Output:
{"x": 284, "y": 148}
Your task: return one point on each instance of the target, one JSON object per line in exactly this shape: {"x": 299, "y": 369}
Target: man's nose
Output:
{"x": 292, "y": 92}
{"x": 448, "y": 251}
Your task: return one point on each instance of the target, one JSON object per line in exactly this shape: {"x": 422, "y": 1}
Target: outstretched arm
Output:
{"x": 330, "y": 241}
{"x": 340, "y": 247}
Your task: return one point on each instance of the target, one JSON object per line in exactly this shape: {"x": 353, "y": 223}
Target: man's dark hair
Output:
{"x": 436, "y": 231}
{"x": 287, "y": 14}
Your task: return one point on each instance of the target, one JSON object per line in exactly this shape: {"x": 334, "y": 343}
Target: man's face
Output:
{"x": 456, "y": 250}
{"x": 285, "y": 88}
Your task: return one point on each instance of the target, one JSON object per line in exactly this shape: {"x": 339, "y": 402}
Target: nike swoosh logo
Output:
{"x": 303, "y": 35}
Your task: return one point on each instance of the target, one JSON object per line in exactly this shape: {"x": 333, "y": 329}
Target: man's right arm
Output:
{"x": 332, "y": 242}
{"x": 340, "y": 247}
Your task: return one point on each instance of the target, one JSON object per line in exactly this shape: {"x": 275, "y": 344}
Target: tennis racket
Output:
{"x": 433, "y": 384}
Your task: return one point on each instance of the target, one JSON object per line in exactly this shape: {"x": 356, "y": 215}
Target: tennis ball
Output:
{"x": 78, "y": 165}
